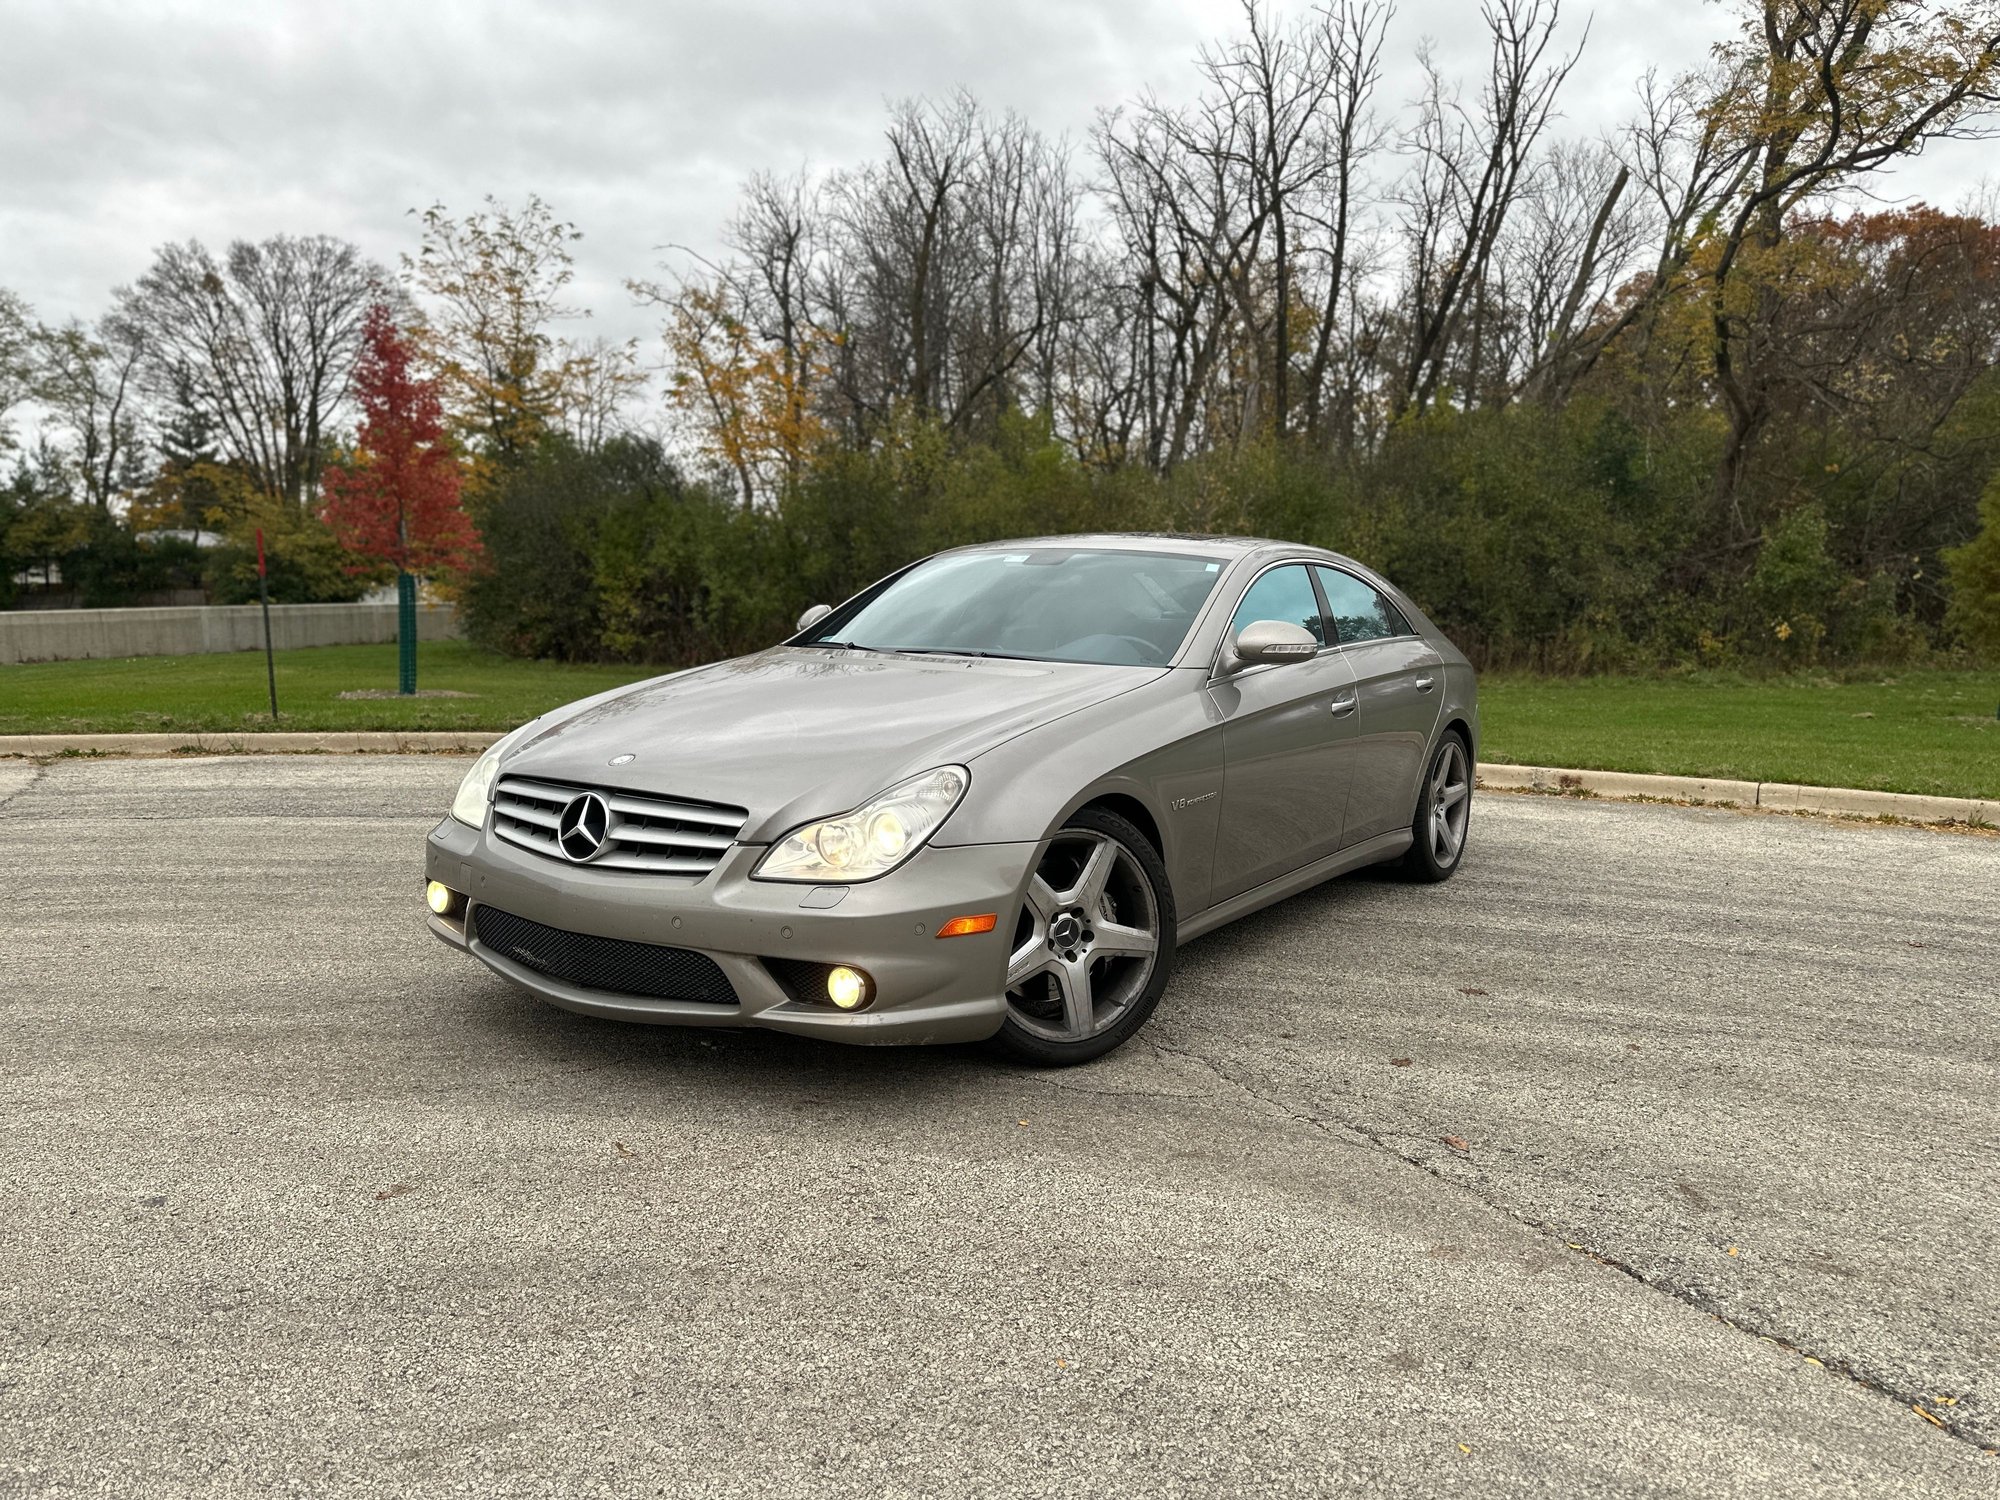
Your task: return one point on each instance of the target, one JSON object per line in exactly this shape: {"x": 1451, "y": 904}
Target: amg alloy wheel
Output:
{"x": 1444, "y": 813}
{"x": 1093, "y": 945}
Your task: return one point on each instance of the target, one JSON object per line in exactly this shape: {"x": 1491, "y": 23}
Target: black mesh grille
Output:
{"x": 801, "y": 979}
{"x": 598, "y": 963}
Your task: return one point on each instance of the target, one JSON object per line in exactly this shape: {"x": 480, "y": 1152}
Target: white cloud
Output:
{"x": 124, "y": 125}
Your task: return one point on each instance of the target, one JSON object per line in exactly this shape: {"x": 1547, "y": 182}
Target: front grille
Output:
{"x": 659, "y": 834}
{"x": 597, "y": 963}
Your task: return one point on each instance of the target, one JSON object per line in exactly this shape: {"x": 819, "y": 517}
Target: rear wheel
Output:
{"x": 1093, "y": 945}
{"x": 1444, "y": 813}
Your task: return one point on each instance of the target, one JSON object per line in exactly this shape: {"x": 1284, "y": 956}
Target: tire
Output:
{"x": 1100, "y": 913}
{"x": 1443, "y": 820}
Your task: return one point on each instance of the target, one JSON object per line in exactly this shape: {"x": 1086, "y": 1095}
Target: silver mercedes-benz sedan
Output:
{"x": 985, "y": 798}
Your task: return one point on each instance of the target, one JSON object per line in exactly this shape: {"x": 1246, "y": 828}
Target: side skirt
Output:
{"x": 1375, "y": 851}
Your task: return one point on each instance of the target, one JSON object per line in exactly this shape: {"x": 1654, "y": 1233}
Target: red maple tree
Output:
{"x": 397, "y": 501}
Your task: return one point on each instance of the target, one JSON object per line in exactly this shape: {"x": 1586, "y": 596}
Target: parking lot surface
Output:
{"x": 1654, "y": 1155}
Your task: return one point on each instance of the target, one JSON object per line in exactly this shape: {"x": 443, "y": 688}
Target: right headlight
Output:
{"x": 476, "y": 790}
{"x": 874, "y": 838}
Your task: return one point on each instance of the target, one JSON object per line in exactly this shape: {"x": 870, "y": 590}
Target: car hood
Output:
{"x": 800, "y": 732}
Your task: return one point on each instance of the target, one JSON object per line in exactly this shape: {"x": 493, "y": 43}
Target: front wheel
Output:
{"x": 1444, "y": 813}
{"x": 1093, "y": 945}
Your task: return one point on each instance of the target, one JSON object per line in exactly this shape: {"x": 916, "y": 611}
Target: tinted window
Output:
{"x": 1359, "y": 612}
{"x": 1284, "y": 594}
{"x": 1040, "y": 603}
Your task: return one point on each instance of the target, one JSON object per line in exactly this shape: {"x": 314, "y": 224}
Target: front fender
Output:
{"x": 1158, "y": 749}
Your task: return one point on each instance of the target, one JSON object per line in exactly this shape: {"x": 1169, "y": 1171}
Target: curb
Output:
{"x": 410, "y": 742}
{"x": 1766, "y": 796}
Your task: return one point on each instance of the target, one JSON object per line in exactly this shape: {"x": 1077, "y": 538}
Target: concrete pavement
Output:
{"x": 299, "y": 1201}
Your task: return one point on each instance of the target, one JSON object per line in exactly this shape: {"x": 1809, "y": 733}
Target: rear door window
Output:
{"x": 1358, "y": 611}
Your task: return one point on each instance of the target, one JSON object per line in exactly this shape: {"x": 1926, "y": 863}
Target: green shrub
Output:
{"x": 1974, "y": 574}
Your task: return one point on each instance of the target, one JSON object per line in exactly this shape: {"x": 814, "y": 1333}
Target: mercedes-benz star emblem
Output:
{"x": 581, "y": 829}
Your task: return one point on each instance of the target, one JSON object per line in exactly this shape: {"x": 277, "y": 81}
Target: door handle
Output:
{"x": 1342, "y": 707}
{"x": 1425, "y": 684}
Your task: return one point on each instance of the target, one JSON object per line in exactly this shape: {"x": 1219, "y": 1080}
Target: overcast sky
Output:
{"x": 127, "y": 123}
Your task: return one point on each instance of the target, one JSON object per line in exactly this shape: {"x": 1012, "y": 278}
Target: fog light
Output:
{"x": 441, "y": 898}
{"x": 847, "y": 988}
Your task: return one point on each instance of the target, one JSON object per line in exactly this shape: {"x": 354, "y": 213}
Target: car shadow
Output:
{"x": 736, "y": 1060}
{"x": 745, "y": 1061}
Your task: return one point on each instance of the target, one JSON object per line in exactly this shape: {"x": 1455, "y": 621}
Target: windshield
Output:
{"x": 1040, "y": 603}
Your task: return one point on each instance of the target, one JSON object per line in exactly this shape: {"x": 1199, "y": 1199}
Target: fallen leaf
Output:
{"x": 1062, "y": 1364}
{"x": 1944, "y": 1401}
{"x": 1631, "y": 1046}
{"x": 1456, "y": 1142}
{"x": 1400, "y": 1062}
{"x": 1811, "y": 1361}
{"x": 395, "y": 1190}
{"x": 1470, "y": 990}
{"x": 1930, "y": 1417}
{"x": 1734, "y": 1251}
{"x": 1463, "y": 1449}
{"x": 623, "y": 1149}
{"x": 1022, "y": 1123}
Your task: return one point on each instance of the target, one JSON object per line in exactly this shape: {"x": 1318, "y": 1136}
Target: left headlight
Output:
{"x": 874, "y": 838}
{"x": 476, "y": 790}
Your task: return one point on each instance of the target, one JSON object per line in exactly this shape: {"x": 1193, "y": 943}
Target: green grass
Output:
{"x": 1897, "y": 731}
{"x": 1917, "y": 731}
{"x": 153, "y": 694}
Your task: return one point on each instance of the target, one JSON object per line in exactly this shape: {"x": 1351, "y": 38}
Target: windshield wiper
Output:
{"x": 955, "y": 651}
{"x": 920, "y": 651}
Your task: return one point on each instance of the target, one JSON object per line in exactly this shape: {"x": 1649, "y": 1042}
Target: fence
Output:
{"x": 74, "y": 634}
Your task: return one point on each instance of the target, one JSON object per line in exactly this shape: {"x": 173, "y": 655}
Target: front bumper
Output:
{"x": 927, "y": 989}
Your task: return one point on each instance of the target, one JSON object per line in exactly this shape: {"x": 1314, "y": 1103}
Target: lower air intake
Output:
{"x": 598, "y": 963}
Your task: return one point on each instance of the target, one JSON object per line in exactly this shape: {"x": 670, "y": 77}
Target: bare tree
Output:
{"x": 1581, "y": 236}
{"x": 1355, "y": 31}
{"x": 945, "y": 270}
{"x": 596, "y": 380}
{"x": 262, "y": 342}
{"x": 1194, "y": 225}
{"x": 17, "y": 365}
{"x": 88, "y": 381}
{"x": 1469, "y": 169}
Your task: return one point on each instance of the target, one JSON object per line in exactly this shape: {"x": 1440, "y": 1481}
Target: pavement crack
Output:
{"x": 34, "y": 779}
{"x": 1945, "y": 1420}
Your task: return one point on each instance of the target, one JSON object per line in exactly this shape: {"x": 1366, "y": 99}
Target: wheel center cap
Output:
{"x": 1066, "y": 931}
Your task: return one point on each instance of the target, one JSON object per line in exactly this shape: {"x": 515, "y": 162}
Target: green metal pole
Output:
{"x": 264, "y": 597}
{"x": 406, "y": 634}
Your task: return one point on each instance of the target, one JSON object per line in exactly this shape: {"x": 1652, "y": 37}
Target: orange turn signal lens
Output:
{"x": 967, "y": 926}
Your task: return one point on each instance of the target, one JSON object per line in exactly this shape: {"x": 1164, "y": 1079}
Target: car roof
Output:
{"x": 1153, "y": 541}
{"x": 1233, "y": 548}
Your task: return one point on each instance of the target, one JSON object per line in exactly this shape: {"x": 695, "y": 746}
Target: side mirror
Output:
{"x": 813, "y": 616}
{"x": 1268, "y": 641}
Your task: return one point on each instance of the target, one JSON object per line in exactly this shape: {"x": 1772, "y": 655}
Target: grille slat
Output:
{"x": 639, "y": 833}
{"x": 653, "y": 835}
{"x": 527, "y": 812}
{"x": 612, "y": 965}
{"x": 730, "y": 818}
